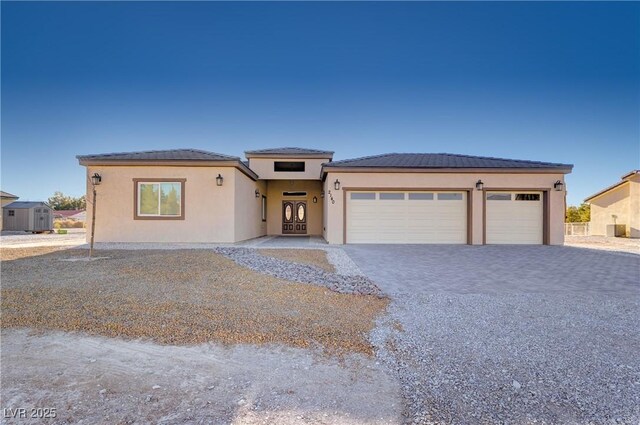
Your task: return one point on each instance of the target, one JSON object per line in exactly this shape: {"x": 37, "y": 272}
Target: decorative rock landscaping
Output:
{"x": 337, "y": 282}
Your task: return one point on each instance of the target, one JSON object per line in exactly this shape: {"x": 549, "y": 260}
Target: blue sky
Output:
{"x": 547, "y": 81}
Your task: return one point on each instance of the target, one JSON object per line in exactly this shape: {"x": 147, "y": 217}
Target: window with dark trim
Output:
{"x": 12, "y": 213}
{"x": 289, "y": 166}
{"x": 294, "y": 193}
{"x": 527, "y": 197}
{"x": 159, "y": 199}
{"x": 264, "y": 208}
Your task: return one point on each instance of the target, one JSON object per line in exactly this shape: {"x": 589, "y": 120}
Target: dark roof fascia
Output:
{"x": 7, "y": 195}
{"x": 329, "y": 155}
{"x": 373, "y": 169}
{"x": 170, "y": 163}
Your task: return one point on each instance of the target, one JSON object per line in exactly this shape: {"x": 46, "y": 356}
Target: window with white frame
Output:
{"x": 159, "y": 199}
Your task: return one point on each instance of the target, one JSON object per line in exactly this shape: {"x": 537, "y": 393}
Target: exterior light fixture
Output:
{"x": 315, "y": 199}
{"x": 96, "y": 179}
{"x": 257, "y": 193}
{"x": 322, "y": 194}
{"x": 336, "y": 184}
{"x": 479, "y": 185}
{"x": 219, "y": 180}
{"x": 558, "y": 185}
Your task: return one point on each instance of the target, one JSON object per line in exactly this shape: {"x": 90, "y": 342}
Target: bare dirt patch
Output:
{"x": 98, "y": 380}
{"x": 181, "y": 297}
{"x": 313, "y": 257}
{"x": 627, "y": 245}
{"x": 7, "y": 254}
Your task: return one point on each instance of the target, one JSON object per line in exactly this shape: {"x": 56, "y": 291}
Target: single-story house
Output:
{"x": 6, "y": 198}
{"x": 189, "y": 195}
{"x": 77, "y": 215}
{"x": 617, "y": 207}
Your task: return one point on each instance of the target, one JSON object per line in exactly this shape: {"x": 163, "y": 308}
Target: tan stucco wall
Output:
{"x": 263, "y": 167}
{"x": 248, "y": 208}
{"x": 275, "y": 198}
{"x": 634, "y": 207}
{"x": 334, "y": 214}
{"x": 617, "y": 202}
{"x": 209, "y": 209}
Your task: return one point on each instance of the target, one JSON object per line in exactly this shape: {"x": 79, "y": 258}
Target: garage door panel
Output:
{"x": 414, "y": 217}
{"x": 513, "y": 221}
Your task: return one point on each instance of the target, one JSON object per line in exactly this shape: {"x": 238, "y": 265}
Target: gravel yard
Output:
{"x": 97, "y": 380}
{"x": 180, "y": 297}
{"x": 603, "y": 243}
{"x": 509, "y": 334}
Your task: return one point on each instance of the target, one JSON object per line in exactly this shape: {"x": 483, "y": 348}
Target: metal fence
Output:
{"x": 576, "y": 229}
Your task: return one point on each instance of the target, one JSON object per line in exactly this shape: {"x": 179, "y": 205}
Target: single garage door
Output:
{"x": 514, "y": 218}
{"x": 406, "y": 217}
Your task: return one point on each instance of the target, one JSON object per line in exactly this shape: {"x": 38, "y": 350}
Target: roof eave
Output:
{"x": 170, "y": 162}
{"x": 328, "y": 155}
{"x": 605, "y": 190}
{"x": 369, "y": 169}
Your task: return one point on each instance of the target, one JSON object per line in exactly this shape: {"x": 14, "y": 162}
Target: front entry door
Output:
{"x": 294, "y": 217}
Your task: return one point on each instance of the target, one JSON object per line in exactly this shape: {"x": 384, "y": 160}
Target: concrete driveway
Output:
{"x": 509, "y": 334}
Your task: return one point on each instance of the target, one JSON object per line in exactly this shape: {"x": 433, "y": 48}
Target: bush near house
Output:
{"x": 581, "y": 214}
{"x": 68, "y": 224}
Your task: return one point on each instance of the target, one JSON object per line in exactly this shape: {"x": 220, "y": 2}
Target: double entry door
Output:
{"x": 294, "y": 217}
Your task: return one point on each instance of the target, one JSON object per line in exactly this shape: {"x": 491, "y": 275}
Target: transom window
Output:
{"x": 527, "y": 196}
{"x": 395, "y": 196}
{"x": 449, "y": 196}
{"x": 288, "y": 166}
{"x": 159, "y": 199}
{"x": 498, "y": 196}
{"x": 362, "y": 195}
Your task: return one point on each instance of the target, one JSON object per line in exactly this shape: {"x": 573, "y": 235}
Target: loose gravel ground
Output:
{"x": 312, "y": 257}
{"x": 628, "y": 245}
{"x": 559, "y": 347}
{"x": 341, "y": 283}
{"x": 181, "y": 297}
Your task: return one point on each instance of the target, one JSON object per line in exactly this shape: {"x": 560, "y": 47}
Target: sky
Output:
{"x": 557, "y": 82}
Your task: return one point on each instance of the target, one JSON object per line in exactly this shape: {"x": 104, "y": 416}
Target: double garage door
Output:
{"x": 440, "y": 217}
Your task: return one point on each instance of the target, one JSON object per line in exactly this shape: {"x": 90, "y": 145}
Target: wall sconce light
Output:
{"x": 336, "y": 184}
{"x": 558, "y": 186}
{"x": 315, "y": 199}
{"x": 96, "y": 179}
{"x": 322, "y": 194}
{"x": 479, "y": 185}
{"x": 257, "y": 193}
{"x": 219, "y": 180}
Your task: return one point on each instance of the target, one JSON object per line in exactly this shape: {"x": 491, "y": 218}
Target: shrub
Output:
{"x": 78, "y": 225}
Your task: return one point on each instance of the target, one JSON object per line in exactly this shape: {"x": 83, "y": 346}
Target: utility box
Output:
{"x": 27, "y": 216}
{"x": 616, "y": 230}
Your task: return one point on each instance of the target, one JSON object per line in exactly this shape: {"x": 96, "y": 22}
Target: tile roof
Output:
{"x": 161, "y": 155}
{"x": 440, "y": 160}
{"x": 7, "y": 195}
{"x": 288, "y": 151}
{"x": 25, "y": 204}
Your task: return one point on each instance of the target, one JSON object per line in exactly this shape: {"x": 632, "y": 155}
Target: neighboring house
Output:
{"x": 189, "y": 195}
{"x": 28, "y": 216}
{"x": 617, "y": 206}
{"x": 6, "y": 198}
{"x": 78, "y": 215}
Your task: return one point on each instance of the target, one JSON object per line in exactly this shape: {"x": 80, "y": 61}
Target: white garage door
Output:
{"x": 407, "y": 217}
{"x": 514, "y": 218}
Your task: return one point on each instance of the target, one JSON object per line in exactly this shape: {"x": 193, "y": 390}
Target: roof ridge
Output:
{"x": 494, "y": 158}
{"x": 366, "y": 157}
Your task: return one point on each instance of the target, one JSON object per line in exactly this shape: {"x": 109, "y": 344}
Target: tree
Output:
{"x": 60, "y": 201}
{"x": 581, "y": 214}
